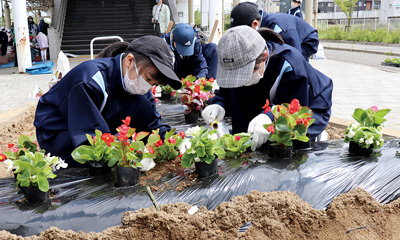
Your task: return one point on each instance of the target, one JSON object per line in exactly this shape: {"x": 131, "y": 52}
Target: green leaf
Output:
{"x": 90, "y": 139}
{"x": 82, "y": 154}
{"x": 187, "y": 160}
{"x": 357, "y": 115}
{"x": 43, "y": 183}
{"x": 200, "y": 151}
{"x": 153, "y": 138}
{"x": 30, "y": 146}
{"x": 283, "y": 128}
{"x": 382, "y": 112}
{"x": 209, "y": 158}
{"x": 141, "y": 135}
{"x": 22, "y": 139}
{"x": 170, "y": 133}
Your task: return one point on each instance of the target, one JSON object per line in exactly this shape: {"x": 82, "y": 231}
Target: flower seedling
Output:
{"x": 196, "y": 93}
{"x": 291, "y": 123}
{"x": 367, "y": 131}
{"x": 167, "y": 149}
{"x": 203, "y": 146}
{"x": 234, "y": 145}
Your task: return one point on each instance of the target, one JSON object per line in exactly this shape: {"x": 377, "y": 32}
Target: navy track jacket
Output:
{"x": 91, "y": 96}
{"x": 195, "y": 65}
{"x": 294, "y": 78}
{"x": 294, "y": 31}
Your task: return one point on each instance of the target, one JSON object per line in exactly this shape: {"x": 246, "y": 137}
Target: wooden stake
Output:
{"x": 148, "y": 191}
{"x": 213, "y": 31}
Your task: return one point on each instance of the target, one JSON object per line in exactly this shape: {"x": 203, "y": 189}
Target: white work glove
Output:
{"x": 259, "y": 133}
{"x": 148, "y": 163}
{"x": 213, "y": 113}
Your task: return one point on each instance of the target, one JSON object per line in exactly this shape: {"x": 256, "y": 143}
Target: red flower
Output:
{"x": 173, "y": 93}
{"x": 94, "y": 139}
{"x": 211, "y": 80}
{"x": 375, "y": 108}
{"x": 151, "y": 150}
{"x": 2, "y": 157}
{"x": 127, "y": 121}
{"x": 107, "y": 138}
{"x": 172, "y": 140}
{"x": 122, "y": 137}
{"x": 271, "y": 129}
{"x": 294, "y": 106}
{"x": 266, "y": 107}
{"x": 153, "y": 90}
{"x": 139, "y": 151}
{"x": 182, "y": 134}
{"x": 10, "y": 145}
{"x": 159, "y": 143}
{"x": 237, "y": 138}
{"x": 188, "y": 84}
{"x": 197, "y": 88}
{"x": 156, "y": 99}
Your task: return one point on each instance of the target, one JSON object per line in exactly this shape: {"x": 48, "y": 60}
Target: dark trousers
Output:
{"x": 158, "y": 33}
{"x": 4, "y": 48}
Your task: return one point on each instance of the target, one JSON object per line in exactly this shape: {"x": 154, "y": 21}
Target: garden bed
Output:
{"x": 391, "y": 64}
{"x": 274, "y": 212}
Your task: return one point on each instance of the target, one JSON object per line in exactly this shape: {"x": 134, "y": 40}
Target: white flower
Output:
{"x": 193, "y": 131}
{"x": 10, "y": 164}
{"x": 61, "y": 164}
{"x": 378, "y": 143}
{"x": 213, "y": 136}
{"x": 369, "y": 141}
{"x": 361, "y": 140}
{"x": 186, "y": 144}
{"x": 197, "y": 159}
{"x": 351, "y": 133}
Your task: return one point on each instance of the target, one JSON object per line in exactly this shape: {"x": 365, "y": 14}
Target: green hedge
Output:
{"x": 380, "y": 35}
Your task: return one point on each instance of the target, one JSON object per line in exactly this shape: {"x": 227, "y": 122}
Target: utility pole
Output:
{"x": 21, "y": 35}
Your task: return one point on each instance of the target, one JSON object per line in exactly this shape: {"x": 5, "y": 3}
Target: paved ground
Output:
{"x": 359, "y": 81}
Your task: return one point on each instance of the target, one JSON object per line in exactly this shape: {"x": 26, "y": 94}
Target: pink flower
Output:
{"x": 237, "y": 138}
{"x": 375, "y": 108}
{"x": 182, "y": 134}
{"x": 14, "y": 149}
{"x": 172, "y": 140}
{"x": 151, "y": 150}
{"x": 271, "y": 129}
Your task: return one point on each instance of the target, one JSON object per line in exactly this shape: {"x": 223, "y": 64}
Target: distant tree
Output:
{"x": 197, "y": 17}
{"x": 347, "y": 7}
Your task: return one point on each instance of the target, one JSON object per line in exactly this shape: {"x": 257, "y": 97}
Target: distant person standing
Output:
{"x": 3, "y": 41}
{"x": 161, "y": 17}
{"x": 43, "y": 26}
{"x": 43, "y": 45}
{"x": 295, "y": 9}
{"x": 32, "y": 26}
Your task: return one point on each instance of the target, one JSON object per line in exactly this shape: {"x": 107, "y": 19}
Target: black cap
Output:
{"x": 160, "y": 54}
{"x": 244, "y": 14}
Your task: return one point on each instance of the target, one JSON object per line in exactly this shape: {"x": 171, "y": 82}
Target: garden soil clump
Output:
{"x": 273, "y": 215}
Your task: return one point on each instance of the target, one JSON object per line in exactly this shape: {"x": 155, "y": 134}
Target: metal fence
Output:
{"x": 357, "y": 23}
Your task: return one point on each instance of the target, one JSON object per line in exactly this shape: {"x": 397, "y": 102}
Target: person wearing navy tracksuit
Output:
{"x": 189, "y": 59}
{"x": 100, "y": 93}
{"x": 295, "y": 9}
{"x": 294, "y": 31}
{"x": 287, "y": 76}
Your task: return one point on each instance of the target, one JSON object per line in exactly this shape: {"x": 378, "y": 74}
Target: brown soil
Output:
{"x": 274, "y": 215}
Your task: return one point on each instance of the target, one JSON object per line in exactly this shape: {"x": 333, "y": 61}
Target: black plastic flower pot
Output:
{"x": 127, "y": 176}
{"x": 205, "y": 170}
{"x": 34, "y": 194}
{"x": 192, "y": 117}
{"x": 355, "y": 149}
{"x": 98, "y": 168}
{"x": 299, "y": 145}
{"x": 165, "y": 96}
{"x": 277, "y": 152}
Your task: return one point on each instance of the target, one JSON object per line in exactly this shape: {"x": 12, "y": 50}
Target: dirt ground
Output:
{"x": 273, "y": 215}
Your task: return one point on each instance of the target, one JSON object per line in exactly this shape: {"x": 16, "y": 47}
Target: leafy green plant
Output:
{"x": 13, "y": 152}
{"x": 291, "y": 123}
{"x": 367, "y": 131}
{"x": 233, "y": 145}
{"x": 166, "y": 88}
{"x": 167, "y": 149}
{"x": 392, "y": 60}
{"x": 34, "y": 169}
{"x": 203, "y": 146}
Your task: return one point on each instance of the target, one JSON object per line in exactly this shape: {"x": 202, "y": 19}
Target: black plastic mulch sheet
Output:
{"x": 89, "y": 203}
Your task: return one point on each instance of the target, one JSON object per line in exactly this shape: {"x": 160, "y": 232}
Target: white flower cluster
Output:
{"x": 191, "y": 132}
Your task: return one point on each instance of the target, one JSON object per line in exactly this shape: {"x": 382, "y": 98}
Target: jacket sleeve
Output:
{"x": 154, "y": 11}
{"x": 156, "y": 117}
{"x": 200, "y": 67}
{"x": 83, "y": 113}
{"x": 291, "y": 37}
{"x": 167, "y": 17}
{"x": 309, "y": 45}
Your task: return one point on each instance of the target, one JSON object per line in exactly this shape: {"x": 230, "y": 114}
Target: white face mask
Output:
{"x": 255, "y": 78}
{"x": 294, "y": 5}
{"x": 138, "y": 86}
